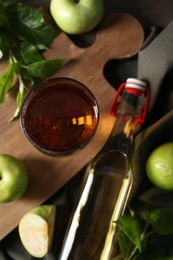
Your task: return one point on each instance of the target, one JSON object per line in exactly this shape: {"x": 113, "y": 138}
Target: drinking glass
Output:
{"x": 59, "y": 116}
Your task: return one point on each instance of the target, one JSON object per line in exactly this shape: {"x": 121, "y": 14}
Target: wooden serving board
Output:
{"x": 120, "y": 36}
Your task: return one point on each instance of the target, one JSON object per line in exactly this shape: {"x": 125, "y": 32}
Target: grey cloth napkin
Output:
{"x": 156, "y": 60}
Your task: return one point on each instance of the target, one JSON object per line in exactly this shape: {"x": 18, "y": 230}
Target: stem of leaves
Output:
{"x": 24, "y": 44}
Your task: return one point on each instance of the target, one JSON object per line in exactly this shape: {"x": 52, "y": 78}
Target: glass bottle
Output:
{"x": 91, "y": 234}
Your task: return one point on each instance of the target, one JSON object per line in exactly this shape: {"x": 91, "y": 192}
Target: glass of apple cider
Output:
{"x": 60, "y": 116}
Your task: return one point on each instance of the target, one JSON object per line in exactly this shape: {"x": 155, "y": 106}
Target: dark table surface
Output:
{"x": 151, "y": 13}
{"x": 154, "y": 12}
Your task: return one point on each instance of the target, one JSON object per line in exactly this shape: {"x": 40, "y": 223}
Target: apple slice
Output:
{"x": 36, "y": 230}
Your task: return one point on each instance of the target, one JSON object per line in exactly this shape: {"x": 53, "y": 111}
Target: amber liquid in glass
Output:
{"x": 60, "y": 117}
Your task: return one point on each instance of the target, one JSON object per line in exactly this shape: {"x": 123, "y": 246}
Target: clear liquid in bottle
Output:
{"x": 94, "y": 211}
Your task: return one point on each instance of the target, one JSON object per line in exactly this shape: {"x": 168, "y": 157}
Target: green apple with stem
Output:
{"x": 159, "y": 166}
{"x": 36, "y": 229}
{"x": 13, "y": 178}
{"x": 77, "y": 16}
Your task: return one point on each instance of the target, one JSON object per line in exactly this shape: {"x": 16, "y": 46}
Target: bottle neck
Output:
{"x": 122, "y": 135}
{"x": 128, "y": 111}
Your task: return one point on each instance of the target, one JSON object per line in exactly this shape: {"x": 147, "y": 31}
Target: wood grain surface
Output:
{"x": 120, "y": 36}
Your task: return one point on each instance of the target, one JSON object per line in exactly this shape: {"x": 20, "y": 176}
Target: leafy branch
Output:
{"x": 136, "y": 231}
{"x": 24, "y": 35}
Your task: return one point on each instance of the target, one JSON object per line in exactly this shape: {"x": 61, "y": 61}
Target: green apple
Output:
{"x": 13, "y": 178}
{"x": 159, "y": 166}
{"x": 77, "y": 16}
{"x": 36, "y": 230}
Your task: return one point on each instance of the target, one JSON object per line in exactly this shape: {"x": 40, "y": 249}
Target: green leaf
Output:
{"x": 161, "y": 220}
{"x": 3, "y": 16}
{"x": 25, "y": 74}
{"x": 26, "y": 53}
{"x": 45, "y": 68}
{"x": 28, "y": 23}
{"x": 6, "y": 80}
{"x": 131, "y": 228}
{"x": 4, "y": 42}
{"x": 164, "y": 224}
{"x": 150, "y": 216}
{"x": 19, "y": 99}
{"x": 125, "y": 244}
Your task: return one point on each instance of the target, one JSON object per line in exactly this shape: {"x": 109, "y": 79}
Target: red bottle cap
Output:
{"x": 135, "y": 87}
